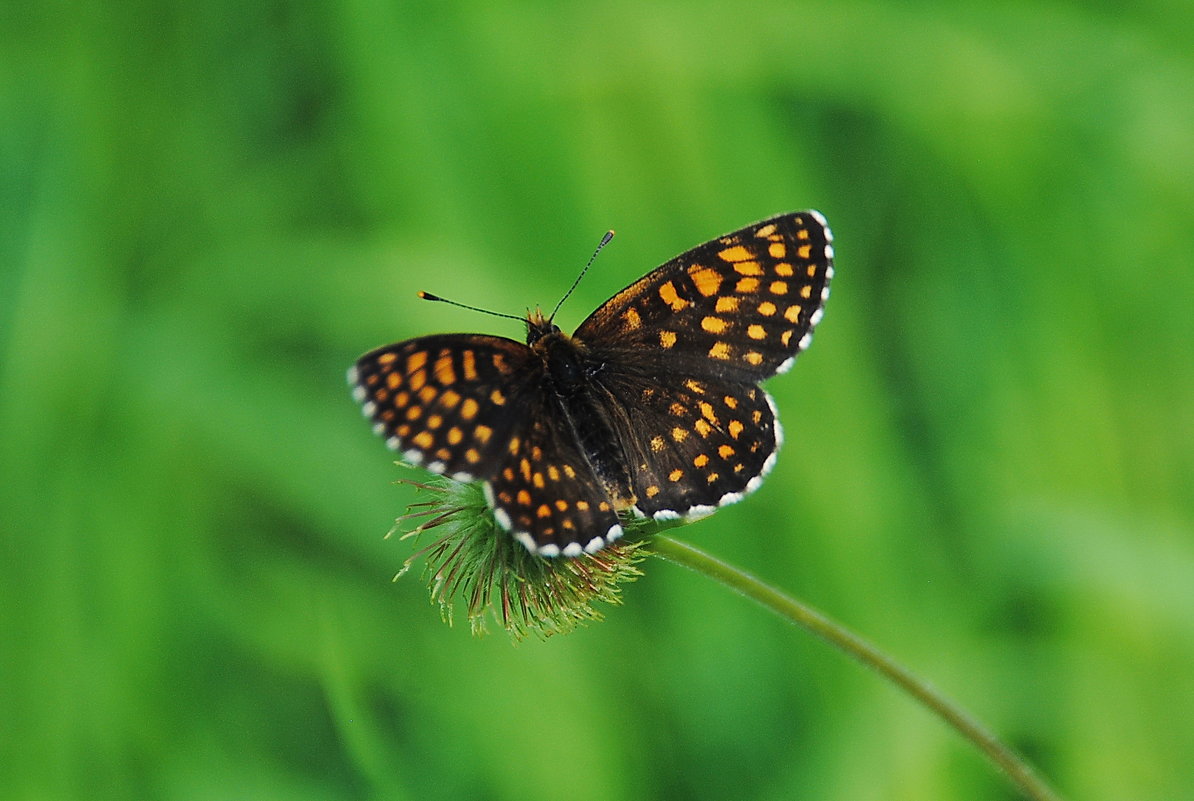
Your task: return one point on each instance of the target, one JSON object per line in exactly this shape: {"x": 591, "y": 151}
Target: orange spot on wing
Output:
{"x": 445, "y": 371}
{"x": 706, "y": 280}
{"x": 669, "y": 295}
{"x": 735, "y": 253}
{"x": 748, "y": 268}
{"x": 726, "y": 303}
{"x": 416, "y": 361}
{"x": 714, "y": 325}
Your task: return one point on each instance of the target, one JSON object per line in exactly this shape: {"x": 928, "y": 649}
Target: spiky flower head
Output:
{"x": 474, "y": 561}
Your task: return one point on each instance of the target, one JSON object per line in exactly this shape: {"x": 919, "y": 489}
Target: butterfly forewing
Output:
{"x": 448, "y": 402}
{"x": 741, "y": 306}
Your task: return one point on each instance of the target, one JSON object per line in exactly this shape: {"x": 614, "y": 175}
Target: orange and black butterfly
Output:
{"x": 651, "y": 408}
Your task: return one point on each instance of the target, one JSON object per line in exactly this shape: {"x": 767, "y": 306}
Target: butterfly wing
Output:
{"x": 690, "y": 445}
{"x": 448, "y": 402}
{"x": 546, "y": 493}
{"x": 473, "y": 407}
{"x": 740, "y": 307}
{"x": 683, "y": 350}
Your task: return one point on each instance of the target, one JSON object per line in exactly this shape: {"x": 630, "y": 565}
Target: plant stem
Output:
{"x": 1019, "y": 771}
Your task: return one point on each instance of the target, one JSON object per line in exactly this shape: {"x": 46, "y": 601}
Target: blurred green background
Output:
{"x": 209, "y": 210}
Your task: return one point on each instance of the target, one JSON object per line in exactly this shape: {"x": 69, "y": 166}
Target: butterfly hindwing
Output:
{"x": 741, "y": 306}
{"x": 546, "y": 493}
{"x": 693, "y": 444}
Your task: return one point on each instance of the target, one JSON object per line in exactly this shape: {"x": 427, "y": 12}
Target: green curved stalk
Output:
{"x": 1016, "y": 769}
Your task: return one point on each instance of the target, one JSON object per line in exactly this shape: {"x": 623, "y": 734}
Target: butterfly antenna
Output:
{"x": 604, "y": 241}
{"x": 438, "y": 299}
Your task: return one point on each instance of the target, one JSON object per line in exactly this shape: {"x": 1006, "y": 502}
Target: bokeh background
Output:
{"x": 210, "y": 209}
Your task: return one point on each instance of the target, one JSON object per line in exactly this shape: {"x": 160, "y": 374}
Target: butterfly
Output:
{"x": 652, "y": 408}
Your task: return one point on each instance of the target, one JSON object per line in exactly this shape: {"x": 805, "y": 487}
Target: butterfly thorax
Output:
{"x": 568, "y": 369}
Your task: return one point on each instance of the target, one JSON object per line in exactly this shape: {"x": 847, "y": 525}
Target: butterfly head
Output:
{"x": 539, "y": 326}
